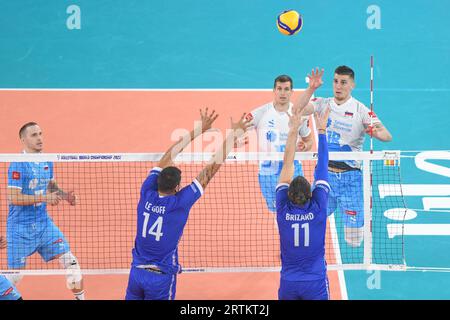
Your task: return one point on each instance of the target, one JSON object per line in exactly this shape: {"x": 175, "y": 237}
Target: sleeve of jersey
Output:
{"x": 255, "y": 116}
{"x": 15, "y": 175}
{"x": 151, "y": 183}
{"x": 190, "y": 194}
{"x": 281, "y": 195}
{"x": 321, "y": 186}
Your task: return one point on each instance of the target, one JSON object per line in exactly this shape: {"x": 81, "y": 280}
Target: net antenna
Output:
{"x": 371, "y": 103}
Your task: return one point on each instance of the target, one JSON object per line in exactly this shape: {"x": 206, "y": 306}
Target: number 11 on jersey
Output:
{"x": 155, "y": 229}
{"x": 296, "y": 227}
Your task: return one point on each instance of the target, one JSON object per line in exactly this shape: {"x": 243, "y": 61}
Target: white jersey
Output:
{"x": 272, "y": 129}
{"x": 346, "y": 124}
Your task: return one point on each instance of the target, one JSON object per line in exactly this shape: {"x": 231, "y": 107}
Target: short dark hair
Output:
{"x": 299, "y": 191}
{"x": 344, "y": 70}
{"x": 283, "y": 78}
{"x": 169, "y": 179}
{"x": 25, "y": 127}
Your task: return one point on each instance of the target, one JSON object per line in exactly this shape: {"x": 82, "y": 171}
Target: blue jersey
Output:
{"x": 160, "y": 224}
{"x": 31, "y": 178}
{"x": 302, "y": 228}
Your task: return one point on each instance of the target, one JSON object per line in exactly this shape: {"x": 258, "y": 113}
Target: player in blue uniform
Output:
{"x": 302, "y": 221}
{"x": 7, "y": 290}
{"x": 31, "y": 186}
{"x": 162, "y": 213}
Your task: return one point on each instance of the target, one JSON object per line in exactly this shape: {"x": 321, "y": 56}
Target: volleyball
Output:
{"x": 289, "y": 22}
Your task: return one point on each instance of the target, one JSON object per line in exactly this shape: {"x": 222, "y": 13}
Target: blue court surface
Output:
{"x": 235, "y": 44}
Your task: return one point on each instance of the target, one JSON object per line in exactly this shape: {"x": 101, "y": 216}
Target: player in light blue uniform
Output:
{"x": 162, "y": 213}
{"x": 302, "y": 222}
{"x": 7, "y": 290}
{"x": 349, "y": 122}
{"x": 31, "y": 186}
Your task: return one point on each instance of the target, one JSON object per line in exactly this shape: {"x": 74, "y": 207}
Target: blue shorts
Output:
{"x": 148, "y": 285}
{"x": 7, "y": 290}
{"x": 304, "y": 290}
{"x": 268, "y": 183}
{"x": 347, "y": 195}
{"x": 43, "y": 237}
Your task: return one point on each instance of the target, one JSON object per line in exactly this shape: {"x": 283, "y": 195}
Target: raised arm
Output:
{"x": 302, "y": 104}
{"x": 238, "y": 129}
{"x": 177, "y": 147}
{"x": 287, "y": 171}
{"x": 321, "y": 172}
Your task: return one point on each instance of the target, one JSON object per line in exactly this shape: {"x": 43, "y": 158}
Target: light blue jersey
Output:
{"x": 31, "y": 178}
{"x": 29, "y": 228}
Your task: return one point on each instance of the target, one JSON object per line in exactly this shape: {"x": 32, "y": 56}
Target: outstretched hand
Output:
{"x": 207, "y": 119}
{"x": 296, "y": 119}
{"x": 71, "y": 198}
{"x": 322, "y": 119}
{"x": 315, "y": 78}
{"x": 240, "y": 128}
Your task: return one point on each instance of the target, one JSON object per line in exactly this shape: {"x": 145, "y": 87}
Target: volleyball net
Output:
{"x": 229, "y": 229}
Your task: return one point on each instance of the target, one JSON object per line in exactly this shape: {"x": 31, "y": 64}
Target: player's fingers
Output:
{"x": 216, "y": 116}
{"x": 212, "y": 113}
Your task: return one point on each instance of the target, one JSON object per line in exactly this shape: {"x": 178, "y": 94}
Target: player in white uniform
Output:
{"x": 348, "y": 123}
{"x": 271, "y": 122}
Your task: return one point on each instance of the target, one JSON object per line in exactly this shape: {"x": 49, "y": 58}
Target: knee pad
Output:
{"x": 14, "y": 278}
{"x": 73, "y": 272}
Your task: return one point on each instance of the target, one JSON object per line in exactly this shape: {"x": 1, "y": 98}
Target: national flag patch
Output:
{"x": 348, "y": 114}
{"x": 350, "y": 212}
{"x": 16, "y": 175}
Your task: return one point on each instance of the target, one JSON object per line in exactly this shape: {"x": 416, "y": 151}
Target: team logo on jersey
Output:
{"x": 349, "y": 114}
{"x": 350, "y": 212}
{"x": 271, "y": 136}
{"x": 249, "y": 117}
{"x": 33, "y": 184}
{"x": 16, "y": 175}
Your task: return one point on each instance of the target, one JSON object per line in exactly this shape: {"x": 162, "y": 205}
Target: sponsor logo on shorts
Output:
{"x": 58, "y": 241}
{"x": 350, "y": 212}
{"x": 7, "y": 292}
{"x": 16, "y": 175}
